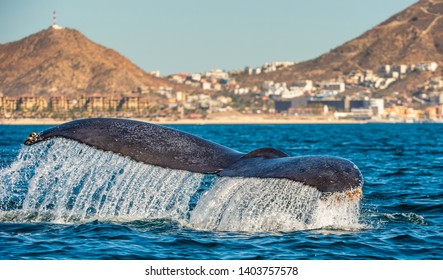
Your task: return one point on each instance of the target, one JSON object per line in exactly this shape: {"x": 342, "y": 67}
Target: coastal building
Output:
{"x": 332, "y": 103}
{"x": 9, "y": 105}
{"x": 95, "y": 102}
{"x": 430, "y": 66}
{"x": 217, "y": 87}
{"x": 58, "y": 103}
{"x": 196, "y": 77}
{"x": 436, "y": 83}
{"x": 304, "y": 85}
{"x": 333, "y": 86}
{"x": 281, "y": 105}
{"x": 346, "y": 107}
{"x": 144, "y": 104}
{"x": 155, "y": 73}
{"x": 248, "y": 70}
{"x": 114, "y": 103}
{"x": 217, "y": 74}
{"x": 355, "y": 77}
{"x": 31, "y": 103}
{"x": 281, "y": 90}
{"x": 274, "y": 66}
{"x": 401, "y": 69}
{"x": 356, "y": 114}
{"x": 180, "y": 96}
{"x": 385, "y": 70}
{"x": 143, "y": 89}
{"x": 27, "y": 103}
{"x": 292, "y": 93}
{"x": 267, "y": 68}
{"x": 241, "y": 91}
{"x": 435, "y": 113}
{"x": 403, "y": 114}
{"x": 178, "y": 78}
{"x": 206, "y": 86}
{"x": 257, "y": 71}
{"x": 130, "y": 102}
{"x": 368, "y": 75}
{"x": 377, "y": 107}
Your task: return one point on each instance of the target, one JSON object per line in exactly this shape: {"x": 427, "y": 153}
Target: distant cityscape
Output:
{"x": 351, "y": 97}
{"x": 355, "y": 96}
{"x": 359, "y": 95}
{"x": 68, "y": 81}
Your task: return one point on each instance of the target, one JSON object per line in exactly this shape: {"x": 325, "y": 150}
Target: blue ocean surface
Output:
{"x": 63, "y": 200}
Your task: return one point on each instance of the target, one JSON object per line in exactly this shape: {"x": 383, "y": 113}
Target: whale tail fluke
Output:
{"x": 166, "y": 147}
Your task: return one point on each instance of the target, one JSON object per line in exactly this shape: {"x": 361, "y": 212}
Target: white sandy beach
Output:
{"x": 235, "y": 118}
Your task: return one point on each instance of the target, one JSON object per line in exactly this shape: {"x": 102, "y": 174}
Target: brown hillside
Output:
{"x": 64, "y": 61}
{"x": 412, "y": 36}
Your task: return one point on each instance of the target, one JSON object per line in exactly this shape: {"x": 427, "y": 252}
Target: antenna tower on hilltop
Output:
{"x": 54, "y": 18}
{"x": 54, "y": 21}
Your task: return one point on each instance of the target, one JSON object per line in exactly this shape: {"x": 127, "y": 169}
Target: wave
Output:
{"x": 63, "y": 181}
{"x": 412, "y": 218}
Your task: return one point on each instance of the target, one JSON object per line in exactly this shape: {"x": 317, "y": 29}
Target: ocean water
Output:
{"x": 63, "y": 200}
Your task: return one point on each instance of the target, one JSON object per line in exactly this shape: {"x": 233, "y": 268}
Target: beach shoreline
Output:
{"x": 243, "y": 119}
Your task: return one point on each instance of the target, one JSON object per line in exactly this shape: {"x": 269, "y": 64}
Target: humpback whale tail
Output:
{"x": 166, "y": 147}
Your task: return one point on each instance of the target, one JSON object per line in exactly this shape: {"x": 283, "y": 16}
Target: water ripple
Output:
{"x": 401, "y": 212}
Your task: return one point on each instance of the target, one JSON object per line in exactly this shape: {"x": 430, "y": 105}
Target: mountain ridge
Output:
{"x": 64, "y": 61}
{"x": 413, "y": 35}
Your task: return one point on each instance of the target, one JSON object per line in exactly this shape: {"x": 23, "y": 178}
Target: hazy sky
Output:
{"x": 199, "y": 35}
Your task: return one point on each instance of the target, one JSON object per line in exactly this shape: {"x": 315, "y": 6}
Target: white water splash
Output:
{"x": 63, "y": 181}
{"x": 254, "y": 204}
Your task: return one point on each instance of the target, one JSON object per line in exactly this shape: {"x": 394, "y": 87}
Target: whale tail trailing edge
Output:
{"x": 165, "y": 147}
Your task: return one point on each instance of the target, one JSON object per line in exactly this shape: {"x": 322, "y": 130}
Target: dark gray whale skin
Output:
{"x": 170, "y": 148}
